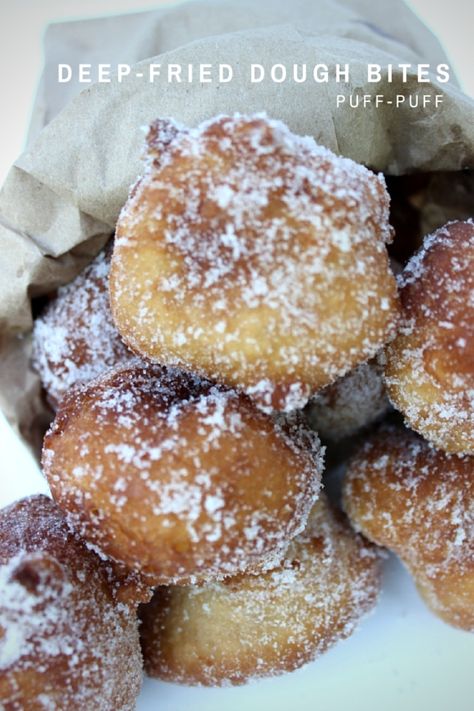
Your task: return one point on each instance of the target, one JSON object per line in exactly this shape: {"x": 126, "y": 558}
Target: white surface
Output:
{"x": 402, "y": 657}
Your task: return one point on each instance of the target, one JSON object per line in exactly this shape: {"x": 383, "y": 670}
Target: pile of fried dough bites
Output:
{"x": 247, "y": 306}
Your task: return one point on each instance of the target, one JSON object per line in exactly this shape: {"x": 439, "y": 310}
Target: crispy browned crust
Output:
{"x": 351, "y": 403}
{"x": 254, "y": 257}
{"x": 418, "y": 501}
{"x": 429, "y": 369}
{"x": 178, "y": 478}
{"x": 254, "y": 626}
{"x": 75, "y": 339}
{"x": 68, "y": 629}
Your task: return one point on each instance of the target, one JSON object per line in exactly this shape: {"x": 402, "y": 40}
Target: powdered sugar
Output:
{"x": 429, "y": 368}
{"x": 404, "y": 494}
{"x": 75, "y": 338}
{"x": 349, "y": 404}
{"x": 66, "y": 637}
{"x": 254, "y": 626}
{"x": 167, "y": 455}
{"x": 260, "y": 229}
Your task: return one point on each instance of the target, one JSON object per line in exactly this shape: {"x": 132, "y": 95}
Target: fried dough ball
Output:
{"x": 262, "y": 625}
{"x": 75, "y": 338}
{"x": 351, "y": 403}
{"x": 177, "y": 477}
{"x": 254, "y": 257}
{"x": 68, "y": 625}
{"x": 429, "y": 367}
{"x": 417, "y": 501}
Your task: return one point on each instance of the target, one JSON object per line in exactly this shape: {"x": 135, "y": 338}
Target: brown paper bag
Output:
{"x": 62, "y": 197}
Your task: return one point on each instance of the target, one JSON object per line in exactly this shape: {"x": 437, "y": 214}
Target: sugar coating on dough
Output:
{"x": 75, "y": 338}
{"x": 429, "y": 367}
{"x": 255, "y": 626}
{"x": 68, "y": 631}
{"x": 351, "y": 403}
{"x": 404, "y": 494}
{"x": 255, "y": 257}
{"x": 177, "y": 477}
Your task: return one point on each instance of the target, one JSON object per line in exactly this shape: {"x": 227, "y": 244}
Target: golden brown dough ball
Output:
{"x": 402, "y": 493}
{"x": 351, "y": 403}
{"x": 75, "y": 338}
{"x": 254, "y": 257}
{"x": 262, "y": 625}
{"x": 177, "y": 477}
{"x": 429, "y": 369}
{"x": 68, "y": 624}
